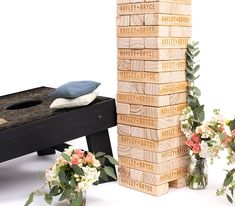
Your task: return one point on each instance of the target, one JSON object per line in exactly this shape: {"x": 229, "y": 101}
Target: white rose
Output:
{"x": 205, "y": 153}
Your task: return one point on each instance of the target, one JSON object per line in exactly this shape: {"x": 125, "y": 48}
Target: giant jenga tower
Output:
{"x": 152, "y": 40}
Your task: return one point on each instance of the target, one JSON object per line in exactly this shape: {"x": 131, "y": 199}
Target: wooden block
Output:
{"x": 164, "y": 66}
{"x": 123, "y": 20}
{"x": 137, "y": 43}
{"x": 156, "y": 169}
{"x": 123, "y": 129}
{"x": 163, "y": 134}
{"x": 137, "y": 65}
{"x": 123, "y": 43}
{"x": 136, "y": 1}
{"x": 137, "y": 20}
{"x": 136, "y": 175}
{"x": 147, "y": 122}
{"x": 156, "y": 112}
{"x": 151, "y": 54}
{"x": 123, "y": 108}
{"x": 124, "y": 86}
{"x": 169, "y": 176}
{"x": 164, "y": 43}
{"x": 129, "y": 98}
{"x": 137, "y": 153}
{"x": 179, "y": 183}
{"x": 142, "y": 187}
{"x": 162, "y": 89}
{"x": 152, "y": 77}
{"x": 166, "y": 155}
{"x": 150, "y": 145}
{"x": 173, "y": 1}
{"x": 124, "y": 65}
{"x": 138, "y": 132}
{"x": 154, "y": 7}
{"x": 167, "y": 20}
{"x": 2, "y": 121}
{"x": 124, "y": 151}
{"x": 154, "y": 31}
{"x": 138, "y": 88}
{"x": 178, "y": 98}
{"x": 124, "y": 172}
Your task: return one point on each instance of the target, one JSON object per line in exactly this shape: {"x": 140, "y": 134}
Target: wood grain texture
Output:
{"x": 137, "y": 65}
{"x": 123, "y": 129}
{"x": 156, "y": 112}
{"x": 163, "y": 89}
{"x": 158, "y": 101}
{"x": 169, "y": 176}
{"x": 179, "y": 183}
{"x": 124, "y": 87}
{"x": 138, "y": 132}
{"x": 152, "y": 77}
{"x": 138, "y": 88}
{"x": 124, "y": 151}
{"x": 124, "y": 65}
{"x": 150, "y": 145}
{"x": 137, "y": 153}
{"x": 123, "y": 43}
{"x": 123, "y": 1}
{"x": 154, "y": 31}
{"x": 164, "y": 66}
{"x": 166, "y": 43}
{"x": 137, "y": 43}
{"x": 136, "y": 175}
{"x": 149, "y": 167}
{"x": 178, "y": 98}
{"x": 151, "y": 54}
{"x": 123, "y": 108}
{"x": 137, "y": 20}
{"x": 174, "y": 1}
{"x": 148, "y": 122}
{"x": 143, "y": 187}
{"x": 168, "y": 20}
{"x": 124, "y": 172}
{"x": 123, "y": 20}
{"x": 154, "y": 7}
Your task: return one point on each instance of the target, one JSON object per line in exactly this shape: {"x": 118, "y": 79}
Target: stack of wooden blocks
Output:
{"x": 152, "y": 89}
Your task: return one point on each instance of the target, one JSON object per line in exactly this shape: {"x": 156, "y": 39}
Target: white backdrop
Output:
{"x": 50, "y": 42}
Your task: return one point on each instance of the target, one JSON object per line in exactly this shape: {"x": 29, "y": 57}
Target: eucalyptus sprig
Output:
{"x": 192, "y": 67}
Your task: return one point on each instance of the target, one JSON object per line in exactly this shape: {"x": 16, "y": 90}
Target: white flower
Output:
{"x": 95, "y": 162}
{"x": 205, "y": 152}
{"x": 52, "y": 175}
{"x": 69, "y": 151}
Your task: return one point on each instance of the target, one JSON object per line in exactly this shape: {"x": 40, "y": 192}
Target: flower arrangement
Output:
{"x": 73, "y": 172}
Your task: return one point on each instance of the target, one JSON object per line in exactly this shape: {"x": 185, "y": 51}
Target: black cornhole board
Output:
{"x": 41, "y": 129}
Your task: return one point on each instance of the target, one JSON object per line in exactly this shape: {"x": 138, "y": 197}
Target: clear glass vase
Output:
{"x": 198, "y": 174}
{"x": 69, "y": 201}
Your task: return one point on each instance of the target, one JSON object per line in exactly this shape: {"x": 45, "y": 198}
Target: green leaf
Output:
{"x": 228, "y": 179}
{"x": 102, "y": 160}
{"x": 197, "y": 53}
{"x": 78, "y": 170}
{"x": 99, "y": 154}
{"x": 111, "y": 159}
{"x": 48, "y": 198}
{"x": 229, "y": 199}
{"x": 30, "y": 199}
{"x": 54, "y": 191}
{"x": 78, "y": 200}
{"x": 110, "y": 172}
{"x": 103, "y": 175}
{"x": 232, "y": 125}
{"x": 62, "y": 177}
{"x": 195, "y": 43}
{"x": 190, "y": 77}
{"x": 197, "y": 68}
{"x": 232, "y": 146}
{"x": 66, "y": 194}
{"x": 96, "y": 183}
{"x": 196, "y": 91}
{"x": 73, "y": 182}
{"x": 66, "y": 157}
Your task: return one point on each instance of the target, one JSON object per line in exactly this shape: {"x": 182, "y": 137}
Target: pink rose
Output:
{"x": 89, "y": 158}
{"x": 75, "y": 160}
{"x": 189, "y": 143}
{"x": 196, "y": 148}
{"x": 195, "y": 138}
{"x": 79, "y": 152}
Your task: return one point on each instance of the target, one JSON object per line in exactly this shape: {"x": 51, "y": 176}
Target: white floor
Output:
{"x": 19, "y": 177}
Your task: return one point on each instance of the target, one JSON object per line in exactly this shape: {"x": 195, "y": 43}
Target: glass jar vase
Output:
{"x": 197, "y": 178}
{"x": 69, "y": 201}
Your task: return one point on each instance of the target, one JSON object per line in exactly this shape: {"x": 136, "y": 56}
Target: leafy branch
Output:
{"x": 192, "y": 67}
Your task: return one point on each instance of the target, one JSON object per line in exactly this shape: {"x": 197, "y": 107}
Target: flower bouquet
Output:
{"x": 73, "y": 172}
